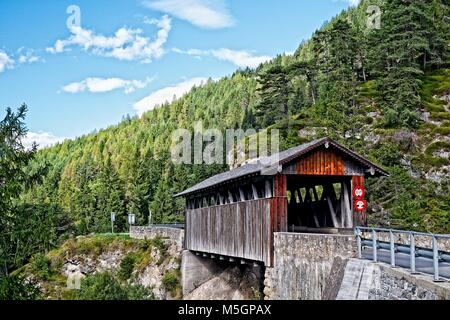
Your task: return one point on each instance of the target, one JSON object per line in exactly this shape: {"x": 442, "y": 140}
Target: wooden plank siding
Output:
{"x": 320, "y": 162}
{"x": 324, "y": 162}
{"x": 242, "y": 229}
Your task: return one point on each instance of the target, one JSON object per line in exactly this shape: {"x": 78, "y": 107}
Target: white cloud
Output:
{"x": 22, "y": 56}
{"x": 240, "y": 58}
{"x": 212, "y": 14}
{"x": 125, "y": 44}
{"x": 27, "y": 56}
{"x": 167, "y": 94}
{"x": 350, "y": 2}
{"x": 100, "y": 85}
{"x": 42, "y": 139}
{"x": 353, "y": 2}
{"x": 6, "y": 62}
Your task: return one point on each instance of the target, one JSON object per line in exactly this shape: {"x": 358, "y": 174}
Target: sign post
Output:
{"x": 113, "y": 218}
{"x": 131, "y": 219}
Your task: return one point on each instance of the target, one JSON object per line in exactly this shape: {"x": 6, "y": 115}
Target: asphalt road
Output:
{"x": 423, "y": 265}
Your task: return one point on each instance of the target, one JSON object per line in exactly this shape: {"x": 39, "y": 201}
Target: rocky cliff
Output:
{"x": 149, "y": 266}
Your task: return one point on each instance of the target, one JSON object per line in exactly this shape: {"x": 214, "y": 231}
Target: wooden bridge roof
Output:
{"x": 253, "y": 169}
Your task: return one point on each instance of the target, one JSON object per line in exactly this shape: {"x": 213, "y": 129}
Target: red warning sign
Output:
{"x": 358, "y": 192}
{"x": 360, "y": 205}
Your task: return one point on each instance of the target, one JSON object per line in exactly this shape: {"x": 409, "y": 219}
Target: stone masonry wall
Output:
{"x": 307, "y": 266}
{"x": 174, "y": 234}
{"x": 399, "y": 284}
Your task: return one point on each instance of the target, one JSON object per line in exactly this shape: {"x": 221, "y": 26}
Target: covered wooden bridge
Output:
{"x": 316, "y": 187}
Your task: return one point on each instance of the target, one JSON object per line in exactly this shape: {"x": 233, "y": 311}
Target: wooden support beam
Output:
{"x": 327, "y": 191}
{"x": 348, "y": 210}
{"x": 299, "y": 193}
{"x": 308, "y": 195}
{"x": 342, "y": 207}
{"x": 241, "y": 194}
{"x": 316, "y": 219}
{"x": 268, "y": 186}
{"x": 316, "y": 197}
{"x": 332, "y": 212}
{"x": 230, "y": 196}
{"x": 255, "y": 192}
{"x": 323, "y": 193}
{"x": 292, "y": 200}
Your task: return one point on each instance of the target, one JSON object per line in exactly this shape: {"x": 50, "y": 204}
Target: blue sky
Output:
{"x": 125, "y": 57}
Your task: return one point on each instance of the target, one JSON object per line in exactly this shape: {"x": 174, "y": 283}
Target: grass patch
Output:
{"x": 367, "y": 90}
{"x": 440, "y": 116}
{"x": 435, "y": 83}
{"x": 442, "y": 131}
{"x": 439, "y": 145}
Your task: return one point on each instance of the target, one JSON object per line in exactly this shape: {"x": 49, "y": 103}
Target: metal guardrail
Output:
{"x": 392, "y": 246}
{"x": 169, "y": 225}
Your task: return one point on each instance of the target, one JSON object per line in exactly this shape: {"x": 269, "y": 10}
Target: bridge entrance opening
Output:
{"x": 319, "y": 204}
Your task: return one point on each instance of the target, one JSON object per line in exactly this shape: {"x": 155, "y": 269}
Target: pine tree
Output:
{"x": 274, "y": 94}
{"x": 335, "y": 50}
{"x": 309, "y": 70}
{"x": 162, "y": 205}
{"x": 406, "y": 45}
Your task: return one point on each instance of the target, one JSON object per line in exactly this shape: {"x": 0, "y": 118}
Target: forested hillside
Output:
{"x": 383, "y": 92}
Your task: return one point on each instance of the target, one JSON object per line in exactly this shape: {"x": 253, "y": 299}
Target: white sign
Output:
{"x": 113, "y": 216}
{"x": 131, "y": 218}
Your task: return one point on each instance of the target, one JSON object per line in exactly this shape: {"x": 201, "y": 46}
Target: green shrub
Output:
{"x": 389, "y": 154}
{"x": 127, "y": 266}
{"x": 139, "y": 292}
{"x": 104, "y": 286}
{"x": 101, "y": 286}
{"x": 15, "y": 287}
{"x": 171, "y": 282}
{"x": 159, "y": 243}
{"x": 391, "y": 118}
{"x": 145, "y": 244}
{"x": 40, "y": 265}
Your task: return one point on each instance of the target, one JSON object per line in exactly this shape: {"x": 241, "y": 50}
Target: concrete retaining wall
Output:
{"x": 307, "y": 266}
{"x": 196, "y": 270}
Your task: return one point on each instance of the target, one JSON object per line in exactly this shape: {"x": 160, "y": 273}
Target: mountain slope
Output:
{"x": 357, "y": 85}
